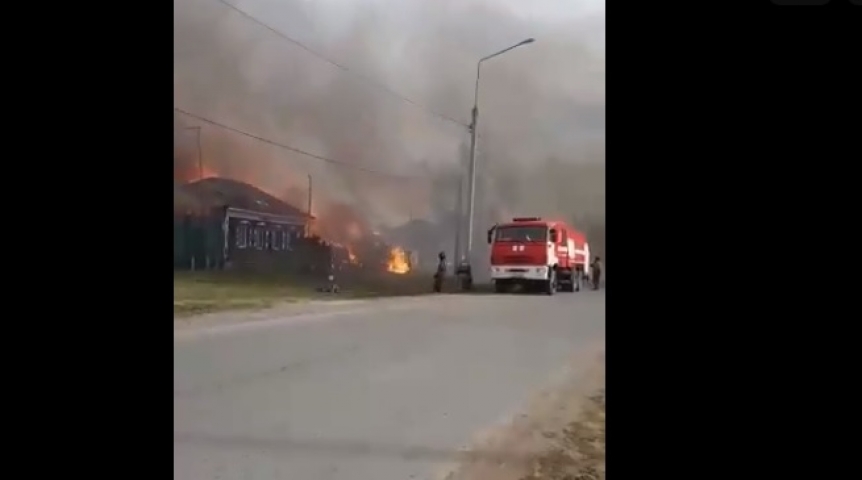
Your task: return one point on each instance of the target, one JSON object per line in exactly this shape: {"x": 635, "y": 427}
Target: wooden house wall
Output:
{"x": 266, "y": 246}
{"x": 198, "y": 240}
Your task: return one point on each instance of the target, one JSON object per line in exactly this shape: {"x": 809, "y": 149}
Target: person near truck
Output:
{"x": 596, "y": 273}
{"x": 579, "y": 277}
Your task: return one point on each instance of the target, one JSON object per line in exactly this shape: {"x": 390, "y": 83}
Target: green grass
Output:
{"x": 202, "y": 292}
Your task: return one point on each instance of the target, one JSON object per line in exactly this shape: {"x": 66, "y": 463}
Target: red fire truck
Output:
{"x": 532, "y": 252}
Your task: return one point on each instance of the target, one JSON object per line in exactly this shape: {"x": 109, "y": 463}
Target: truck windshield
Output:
{"x": 521, "y": 234}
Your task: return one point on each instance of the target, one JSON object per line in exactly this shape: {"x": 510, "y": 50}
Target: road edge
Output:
{"x": 519, "y": 435}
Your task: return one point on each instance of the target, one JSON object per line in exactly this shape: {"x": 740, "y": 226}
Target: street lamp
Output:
{"x": 200, "y": 153}
{"x": 474, "y": 128}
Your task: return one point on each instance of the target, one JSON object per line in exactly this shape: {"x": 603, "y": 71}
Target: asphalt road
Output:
{"x": 379, "y": 390}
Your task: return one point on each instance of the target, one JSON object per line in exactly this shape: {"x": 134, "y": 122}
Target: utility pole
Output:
{"x": 308, "y": 222}
{"x": 458, "y": 184}
{"x": 474, "y": 128}
{"x": 200, "y": 153}
{"x": 459, "y": 215}
{"x": 309, "y": 195}
{"x": 471, "y": 185}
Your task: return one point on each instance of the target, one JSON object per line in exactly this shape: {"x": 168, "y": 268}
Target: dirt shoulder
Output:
{"x": 559, "y": 436}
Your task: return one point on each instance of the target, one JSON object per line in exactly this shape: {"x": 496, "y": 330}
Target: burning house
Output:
{"x": 223, "y": 223}
{"x": 226, "y": 224}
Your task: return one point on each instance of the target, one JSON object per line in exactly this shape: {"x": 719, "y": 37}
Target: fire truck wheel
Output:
{"x": 567, "y": 283}
{"x": 499, "y": 286}
{"x": 551, "y": 283}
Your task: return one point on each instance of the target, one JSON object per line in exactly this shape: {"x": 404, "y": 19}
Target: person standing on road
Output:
{"x": 596, "y": 273}
{"x": 441, "y": 272}
{"x": 579, "y": 277}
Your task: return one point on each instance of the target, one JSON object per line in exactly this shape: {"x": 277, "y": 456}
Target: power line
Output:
{"x": 296, "y": 150}
{"x": 344, "y": 68}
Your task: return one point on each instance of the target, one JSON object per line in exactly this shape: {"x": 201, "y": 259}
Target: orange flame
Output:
{"x": 191, "y": 173}
{"x": 351, "y": 257}
{"x": 207, "y": 172}
{"x": 398, "y": 262}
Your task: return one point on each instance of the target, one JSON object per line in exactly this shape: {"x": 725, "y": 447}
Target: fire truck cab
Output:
{"x": 538, "y": 254}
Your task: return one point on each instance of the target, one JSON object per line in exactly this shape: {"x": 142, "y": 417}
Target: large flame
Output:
{"x": 339, "y": 223}
{"x": 193, "y": 173}
{"x": 398, "y": 262}
{"x": 351, "y": 256}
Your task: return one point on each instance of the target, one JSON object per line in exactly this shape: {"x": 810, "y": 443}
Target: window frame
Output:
{"x": 509, "y": 228}
{"x": 275, "y": 242}
{"x": 259, "y": 236}
{"x": 241, "y": 234}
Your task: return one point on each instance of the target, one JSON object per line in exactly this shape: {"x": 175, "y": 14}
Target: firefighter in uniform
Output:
{"x": 440, "y": 274}
{"x": 596, "y": 273}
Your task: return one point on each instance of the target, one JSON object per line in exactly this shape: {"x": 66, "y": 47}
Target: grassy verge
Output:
{"x": 559, "y": 435}
{"x": 203, "y": 292}
{"x": 578, "y": 451}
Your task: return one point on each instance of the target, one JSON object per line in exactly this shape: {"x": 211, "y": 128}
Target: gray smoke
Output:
{"x": 541, "y": 147}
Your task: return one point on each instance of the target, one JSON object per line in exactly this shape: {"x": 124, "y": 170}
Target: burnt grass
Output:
{"x": 578, "y": 452}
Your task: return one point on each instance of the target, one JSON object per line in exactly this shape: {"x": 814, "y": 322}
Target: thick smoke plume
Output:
{"x": 541, "y": 146}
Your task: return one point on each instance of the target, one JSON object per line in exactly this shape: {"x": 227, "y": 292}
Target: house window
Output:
{"x": 260, "y": 236}
{"x": 277, "y": 235}
{"x": 285, "y": 239}
{"x": 242, "y": 235}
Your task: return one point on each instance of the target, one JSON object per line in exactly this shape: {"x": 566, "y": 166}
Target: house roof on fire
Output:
{"x": 184, "y": 200}
{"x": 219, "y": 192}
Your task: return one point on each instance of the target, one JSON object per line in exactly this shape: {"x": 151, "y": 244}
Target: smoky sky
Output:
{"x": 542, "y": 115}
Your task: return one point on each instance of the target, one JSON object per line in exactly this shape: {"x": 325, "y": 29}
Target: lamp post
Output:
{"x": 474, "y": 127}
{"x": 459, "y": 216}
